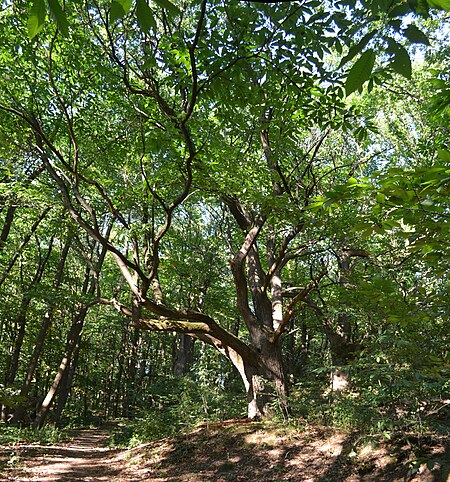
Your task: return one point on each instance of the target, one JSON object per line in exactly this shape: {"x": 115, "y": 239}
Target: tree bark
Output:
{"x": 66, "y": 384}
{"x": 183, "y": 355}
{"x": 72, "y": 340}
{"x": 73, "y": 337}
{"x": 39, "y": 343}
{"x": 13, "y": 364}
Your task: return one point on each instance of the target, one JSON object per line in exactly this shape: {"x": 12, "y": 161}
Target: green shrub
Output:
{"x": 10, "y": 435}
{"x": 177, "y": 406}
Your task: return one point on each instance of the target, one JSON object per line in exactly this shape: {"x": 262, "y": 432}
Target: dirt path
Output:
{"x": 85, "y": 458}
{"x": 234, "y": 451}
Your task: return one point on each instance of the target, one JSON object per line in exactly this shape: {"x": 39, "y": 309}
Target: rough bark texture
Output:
{"x": 183, "y": 354}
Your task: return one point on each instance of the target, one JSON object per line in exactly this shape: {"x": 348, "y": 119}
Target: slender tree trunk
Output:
{"x": 7, "y": 225}
{"x": 13, "y": 364}
{"x": 73, "y": 338}
{"x": 25, "y": 241}
{"x": 11, "y": 211}
{"x": 132, "y": 390}
{"x": 21, "y": 326}
{"x": 46, "y": 322}
{"x": 119, "y": 386}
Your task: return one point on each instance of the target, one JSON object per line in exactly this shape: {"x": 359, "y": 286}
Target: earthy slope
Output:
{"x": 236, "y": 451}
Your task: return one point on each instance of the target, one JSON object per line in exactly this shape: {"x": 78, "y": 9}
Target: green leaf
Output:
{"x": 144, "y": 15}
{"x": 402, "y": 63}
{"x": 36, "y": 18}
{"x": 440, "y": 4}
{"x": 58, "y": 16}
{"x": 444, "y": 155}
{"x": 355, "y": 49}
{"x": 400, "y": 10}
{"x": 420, "y": 7}
{"x": 360, "y": 72}
{"x": 118, "y": 9}
{"x": 381, "y": 198}
{"x": 416, "y": 36}
{"x": 169, "y": 6}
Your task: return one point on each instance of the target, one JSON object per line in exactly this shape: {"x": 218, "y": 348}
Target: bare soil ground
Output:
{"x": 235, "y": 450}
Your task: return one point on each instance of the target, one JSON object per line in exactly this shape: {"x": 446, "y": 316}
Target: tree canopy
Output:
{"x": 250, "y": 176}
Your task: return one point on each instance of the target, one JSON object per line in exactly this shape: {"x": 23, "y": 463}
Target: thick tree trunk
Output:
{"x": 342, "y": 348}
{"x": 265, "y": 384}
{"x": 66, "y": 384}
{"x": 183, "y": 354}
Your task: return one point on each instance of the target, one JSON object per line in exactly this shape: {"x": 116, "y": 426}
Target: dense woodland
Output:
{"x": 217, "y": 209}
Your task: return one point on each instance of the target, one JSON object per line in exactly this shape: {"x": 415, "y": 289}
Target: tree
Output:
{"x": 204, "y": 107}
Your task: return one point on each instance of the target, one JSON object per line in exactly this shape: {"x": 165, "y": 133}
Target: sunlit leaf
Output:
{"x": 36, "y": 18}
{"x": 440, "y": 4}
{"x": 118, "y": 9}
{"x": 444, "y": 155}
{"x": 169, "y": 6}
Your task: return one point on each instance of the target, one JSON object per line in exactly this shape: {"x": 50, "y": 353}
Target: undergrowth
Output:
{"x": 10, "y": 435}
{"x": 177, "y": 408}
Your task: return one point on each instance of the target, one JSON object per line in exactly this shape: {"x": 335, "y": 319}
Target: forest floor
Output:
{"x": 235, "y": 450}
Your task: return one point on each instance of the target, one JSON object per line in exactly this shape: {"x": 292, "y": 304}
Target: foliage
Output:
{"x": 10, "y": 435}
{"x": 174, "y": 137}
{"x": 177, "y": 406}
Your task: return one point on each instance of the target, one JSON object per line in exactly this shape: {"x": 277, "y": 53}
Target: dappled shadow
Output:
{"x": 240, "y": 450}
{"x": 252, "y": 452}
{"x": 84, "y": 459}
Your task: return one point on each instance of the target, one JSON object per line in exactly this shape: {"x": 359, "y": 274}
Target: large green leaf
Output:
{"x": 118, "y": 9}
{"x": 440, "y": 4}
{"x": 356, "y": 49}
{"x": 360, "y": 72}
{"x": 402, "y": 63}
{"x": 169, "y": 6}
{"x": 444, "y": 155}
{"x": 144, "y": 16}
{"x": 36, "y": 19}
{"x": 59, "y": 16}
{"x": 414, "y": 35}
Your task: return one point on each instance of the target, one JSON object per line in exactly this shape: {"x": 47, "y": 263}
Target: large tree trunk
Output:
{"x": 183, "y": 354}
{"x": 66, "y": 385}
{"x": 342, "y": 348}
{"x": 264, "y": 379}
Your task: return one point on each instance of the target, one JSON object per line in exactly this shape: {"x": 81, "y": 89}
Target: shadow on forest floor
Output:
{"x": 243, "y": 451}
{"x": 237, "y": 450}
